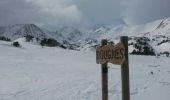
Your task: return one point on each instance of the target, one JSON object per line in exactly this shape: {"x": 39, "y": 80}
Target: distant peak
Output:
{"x": 163, "y": 23}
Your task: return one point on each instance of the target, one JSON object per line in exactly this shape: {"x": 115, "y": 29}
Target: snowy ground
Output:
{"x": 36, "y": 73}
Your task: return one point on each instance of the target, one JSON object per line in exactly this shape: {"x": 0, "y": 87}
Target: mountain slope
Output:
{"x": 157, "y": 32}
{"x": 70, "y": 34}
{"x": 20, "y": 30}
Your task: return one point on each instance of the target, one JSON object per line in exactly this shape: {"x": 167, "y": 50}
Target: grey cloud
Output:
{"x": 143, "y": 11}
{"x": 101, "y": 12}
{"x": 82, "y": 13}
{"x": 17, "y": 11}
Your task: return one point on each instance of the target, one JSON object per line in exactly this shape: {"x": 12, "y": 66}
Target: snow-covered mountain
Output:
{"x": 157, "y": 34}
{"x": 20, "y": 30}
{"x": 70, "y": 33}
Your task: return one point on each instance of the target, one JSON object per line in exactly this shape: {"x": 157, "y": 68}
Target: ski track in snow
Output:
{"x": 36, "y": 73}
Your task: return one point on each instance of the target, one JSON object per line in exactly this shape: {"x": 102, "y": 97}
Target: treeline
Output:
{"x": 142, "y": 46}
{"x": 4, "y": 38}
{"x": 166, "y": 53}
{"x": 51, "y": 43}
{"x": 146, "y": 51}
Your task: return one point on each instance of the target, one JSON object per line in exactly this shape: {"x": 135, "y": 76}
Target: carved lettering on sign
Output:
{"x": 110, "y": 53}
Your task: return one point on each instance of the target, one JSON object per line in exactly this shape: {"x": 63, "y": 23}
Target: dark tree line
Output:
{"x": 45, "y": 41}
{"x": 164, "y": 41}
{"x": 4, "y": 38}
{"x": 146, "y": 51}
{"x": 166, "y": 53}
{"x": 51, "y": 43}
{"x": 142, "y": 47}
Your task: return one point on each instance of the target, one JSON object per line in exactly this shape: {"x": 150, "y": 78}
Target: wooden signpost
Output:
{"x": 115, "y": 54}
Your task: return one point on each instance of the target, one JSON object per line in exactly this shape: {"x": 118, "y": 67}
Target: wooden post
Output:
{"x": 125, "y": 71}
{"x": 104, "y": 76}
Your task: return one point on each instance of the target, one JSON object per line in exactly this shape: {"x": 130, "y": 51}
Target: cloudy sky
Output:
{"x": 82, "y": 13}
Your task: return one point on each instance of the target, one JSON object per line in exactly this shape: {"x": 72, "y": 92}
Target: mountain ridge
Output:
{"x": 158, "y": 32}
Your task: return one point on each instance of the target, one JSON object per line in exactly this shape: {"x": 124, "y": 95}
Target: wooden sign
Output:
{"x": 110, "y": 53}
{"x": 116, "y": 54}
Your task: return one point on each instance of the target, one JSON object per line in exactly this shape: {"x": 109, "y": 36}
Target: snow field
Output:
{"x": 36, "y": 73}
